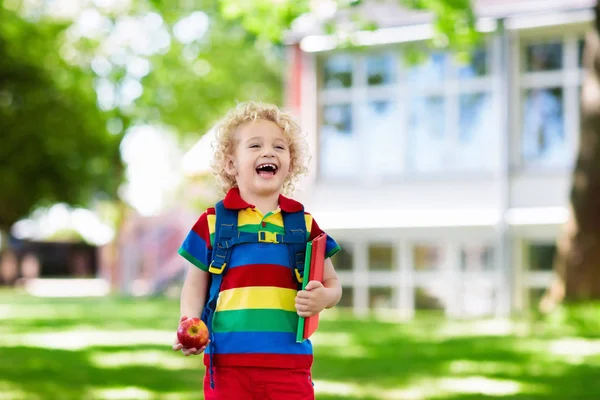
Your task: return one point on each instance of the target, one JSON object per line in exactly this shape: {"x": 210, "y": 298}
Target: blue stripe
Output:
{"x": 196, "y": 247}
{"x": 331, "y": 247}
{"x": 259, "y": 253}
{"x": 259, "y": 342}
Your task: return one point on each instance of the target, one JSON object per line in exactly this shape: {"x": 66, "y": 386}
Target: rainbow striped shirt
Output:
{"x": 255, "y": 320}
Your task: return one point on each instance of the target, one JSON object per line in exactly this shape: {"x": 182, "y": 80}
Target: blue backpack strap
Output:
{"x": 225, "y": 230}
{"x": 295, "y": 237}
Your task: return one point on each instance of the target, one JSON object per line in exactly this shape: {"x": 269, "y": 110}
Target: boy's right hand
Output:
{"x": 187, "y": 352}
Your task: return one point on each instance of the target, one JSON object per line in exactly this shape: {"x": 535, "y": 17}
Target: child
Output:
{"x": 253, "y": 352}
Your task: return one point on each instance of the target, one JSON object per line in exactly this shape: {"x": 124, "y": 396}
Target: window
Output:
{"x": 343, "y": 259}
{"x": 476, "y": 258}
{"x": 381, "y": 119}
{"x": 338, "y": 72}
{"x": 550, "y": 79}
{"x": 428, "y": 258}
{"x": 541, "y": 257}
{"x": 381, "y": 298}
{"x": 381, "y": 257}
{"x": 339, "y": 148}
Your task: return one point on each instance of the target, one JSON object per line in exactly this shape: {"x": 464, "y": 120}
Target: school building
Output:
{"x": 446, "y": 184}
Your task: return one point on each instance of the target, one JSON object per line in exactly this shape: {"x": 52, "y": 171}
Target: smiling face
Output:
{"x": 260, "y": 161}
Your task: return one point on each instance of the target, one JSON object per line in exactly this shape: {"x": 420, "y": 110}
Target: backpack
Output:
{"x": 227, "y": 236}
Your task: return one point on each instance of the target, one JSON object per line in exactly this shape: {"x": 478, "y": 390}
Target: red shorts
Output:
{"x": 248, "y": 383}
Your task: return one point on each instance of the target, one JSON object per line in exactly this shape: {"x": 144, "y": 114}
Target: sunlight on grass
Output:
{"x": 126, "y": 393}
{"x": 423, "y": 389}
{"x": 77, "y": 339}
{"x": 341, "y": 344}
{"x": 152, "y": 358}
{"x": 484, "y": 367}
{"x": 479, "y": 385}
{"x": 10, "y": 391}
{"x": 575, "y": 347}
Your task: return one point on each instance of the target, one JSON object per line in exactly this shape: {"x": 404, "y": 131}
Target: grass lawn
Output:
{"x": 111, "y": 348}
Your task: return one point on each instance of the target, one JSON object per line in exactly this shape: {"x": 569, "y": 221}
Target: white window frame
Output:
{"x": 399, "y": 93}
{"x": 569, "y": 78}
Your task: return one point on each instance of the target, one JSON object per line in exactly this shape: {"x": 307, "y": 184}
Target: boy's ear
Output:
{"x": 230, "y": 167}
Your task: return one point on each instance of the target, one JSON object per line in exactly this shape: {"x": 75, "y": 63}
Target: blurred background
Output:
{"x": 454, "y": 158}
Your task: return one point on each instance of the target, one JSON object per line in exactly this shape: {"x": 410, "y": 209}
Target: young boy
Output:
{"x": 253, "y": 352}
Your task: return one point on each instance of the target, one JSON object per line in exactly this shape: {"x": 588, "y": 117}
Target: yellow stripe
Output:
{"x": 249, "y": 217}
{"x": 211, "y": 220}
{"x": 308, "y": 218}
{"x": 257, "y": 297}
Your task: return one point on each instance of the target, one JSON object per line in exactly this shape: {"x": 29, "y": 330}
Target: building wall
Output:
{"x": 446, "y": 184}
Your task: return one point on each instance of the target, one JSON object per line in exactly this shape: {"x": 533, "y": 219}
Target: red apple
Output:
{"x": 192, "y": 333}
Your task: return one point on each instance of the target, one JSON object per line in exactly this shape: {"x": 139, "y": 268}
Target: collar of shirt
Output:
{"x": 233, "y": 201}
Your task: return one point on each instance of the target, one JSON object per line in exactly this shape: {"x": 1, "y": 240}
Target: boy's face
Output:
{"x": 261, "y": 159}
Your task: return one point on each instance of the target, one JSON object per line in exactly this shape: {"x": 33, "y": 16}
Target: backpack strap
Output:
{"x": 295, "y": 237}
{"x": 225, "y": 229}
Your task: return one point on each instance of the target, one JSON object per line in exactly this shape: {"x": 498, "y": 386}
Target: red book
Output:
{"x": 314, "y": 264}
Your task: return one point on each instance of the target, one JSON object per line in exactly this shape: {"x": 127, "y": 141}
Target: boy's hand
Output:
{"x": 312, "y": 300}
{"x": 187, "y": 352}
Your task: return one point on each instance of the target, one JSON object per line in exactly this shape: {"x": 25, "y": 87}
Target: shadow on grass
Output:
{"x": 40, "y": 372}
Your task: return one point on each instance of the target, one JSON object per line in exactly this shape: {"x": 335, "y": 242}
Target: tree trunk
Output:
{"x": 577, "y": 265}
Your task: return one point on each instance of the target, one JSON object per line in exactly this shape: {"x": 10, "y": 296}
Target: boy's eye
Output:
{"x": 254, "y": 146}
{"x": 280, "y": 147}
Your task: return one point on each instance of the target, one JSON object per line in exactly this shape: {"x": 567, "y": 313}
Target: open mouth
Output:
{"x": 266, "y": 170}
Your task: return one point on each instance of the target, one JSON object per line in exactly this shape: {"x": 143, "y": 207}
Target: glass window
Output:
{"x": 430, "y": 298}
{"x": 543, "y": 140}
{"x": 339, "y": 145}
{"x": 541, "y": 257}
{"x": 347, "y": 299}
{"x": 381, "y": 257}
{"x": 428, "y": 257}
{"x": 384, "y": 144}
{"x": 477, "y": 126}
{"x": 429, "y": 72}
{"x": 477, "y": 67}
{"x": 380, "y": 70}
{"x": 580, "y": 49}
{"x": 381, "y": 298}
{"x": 338, "y": 72}
{"x": 343, "y": 259}
{"x": 544, "y": 57}
{"x": 427, "y": 143}
{"x": 476, "y": 258}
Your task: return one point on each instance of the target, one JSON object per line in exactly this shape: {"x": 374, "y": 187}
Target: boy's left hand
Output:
{"x": 312, "y": 300}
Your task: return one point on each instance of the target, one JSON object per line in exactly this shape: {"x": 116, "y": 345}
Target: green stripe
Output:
{"x": 333, "y": 251}
{"x": 254, "y": 228}
{"x": 192, "y": 259}
{"x": 256, "y": 320}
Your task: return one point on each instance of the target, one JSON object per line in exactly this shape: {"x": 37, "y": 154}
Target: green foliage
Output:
{"x": 265, "y": 18}
{"x": 54, "y": 146}
{"x": 453, "y": 21}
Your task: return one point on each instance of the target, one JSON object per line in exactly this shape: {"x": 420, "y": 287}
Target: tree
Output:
{"x": 54, "y": 146}
{"x": 577, "y": 265}
{"x": 55, "y": 140}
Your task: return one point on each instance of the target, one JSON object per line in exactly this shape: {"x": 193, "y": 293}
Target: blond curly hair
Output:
{"x": 252, "y": 112}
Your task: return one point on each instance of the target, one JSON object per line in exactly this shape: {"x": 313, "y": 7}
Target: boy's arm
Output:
{"x": 193, "y": 293}
{"x": 318, "y": 296}
{"x": 332, "y": 284}
{"x": 193, "y": 296}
